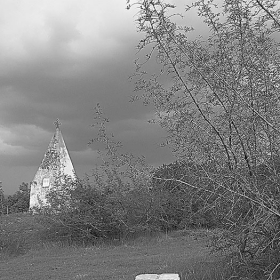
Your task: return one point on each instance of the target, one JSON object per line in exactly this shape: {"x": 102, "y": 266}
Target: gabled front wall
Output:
{"x": 40, "y": 187}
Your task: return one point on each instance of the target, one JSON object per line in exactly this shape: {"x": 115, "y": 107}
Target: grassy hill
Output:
{"x": 19, "y": 233}
{"x": 31, "y": 258}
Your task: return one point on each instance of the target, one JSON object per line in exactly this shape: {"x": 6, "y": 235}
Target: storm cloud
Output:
{"x": 58, "y": 59}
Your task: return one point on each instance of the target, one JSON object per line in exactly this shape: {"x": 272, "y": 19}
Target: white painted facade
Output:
{"x": 56, "y": 163}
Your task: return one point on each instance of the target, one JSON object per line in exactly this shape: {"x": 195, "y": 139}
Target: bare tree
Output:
{"x": 218, "y": 99}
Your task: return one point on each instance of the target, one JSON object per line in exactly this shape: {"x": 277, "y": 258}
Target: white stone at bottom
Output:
{"x": 165, "y": 276}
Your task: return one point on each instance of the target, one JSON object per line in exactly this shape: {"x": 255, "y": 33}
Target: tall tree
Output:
{"x": 218, "y": 98}
{"x": 2, "y": 199}
{"x": 19, "y": 202}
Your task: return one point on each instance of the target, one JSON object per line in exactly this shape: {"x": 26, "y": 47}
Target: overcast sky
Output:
{"x": 58, "y": 58}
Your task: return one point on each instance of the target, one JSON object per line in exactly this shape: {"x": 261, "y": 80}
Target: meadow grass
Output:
{"x": 179, "y": 252}
{"x": 18, "y": 234}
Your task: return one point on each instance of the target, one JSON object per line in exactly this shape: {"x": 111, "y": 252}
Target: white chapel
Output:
{"x": 55, "y": 164}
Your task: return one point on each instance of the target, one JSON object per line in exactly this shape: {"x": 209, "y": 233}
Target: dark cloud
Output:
{"x": 58, "y": 59}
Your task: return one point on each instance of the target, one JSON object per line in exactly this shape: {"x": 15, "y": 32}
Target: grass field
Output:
{"x": 184, "y": 253}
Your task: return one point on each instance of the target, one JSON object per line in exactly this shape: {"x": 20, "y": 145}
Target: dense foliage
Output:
{"x": 18, "y": 202}
{"x": 85, "y": 212}
{"x": 183, "y": 207}
{"x": 92, "y": 213}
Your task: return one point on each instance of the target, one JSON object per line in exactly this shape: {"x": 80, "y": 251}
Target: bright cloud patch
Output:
{"x": 51, "y": 31}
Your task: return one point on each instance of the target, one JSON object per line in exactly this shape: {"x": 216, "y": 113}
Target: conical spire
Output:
{"x": 56, "y": 162}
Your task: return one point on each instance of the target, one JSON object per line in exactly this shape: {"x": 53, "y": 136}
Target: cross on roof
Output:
{"x": 57, "y": 124}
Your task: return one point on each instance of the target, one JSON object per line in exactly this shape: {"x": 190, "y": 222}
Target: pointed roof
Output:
{"x": 57, "y": 157}
{"x": 56, "y": 162}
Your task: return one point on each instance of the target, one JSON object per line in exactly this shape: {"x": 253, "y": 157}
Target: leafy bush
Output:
{"x": 86, "y": 214}
{"x": 183, "y": 206}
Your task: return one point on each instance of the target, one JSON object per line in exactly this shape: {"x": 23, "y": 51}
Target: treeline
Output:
{"x": 115, "y": 208}
{"x": 174, "y": 196}
{"x": 16, "y": 203}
